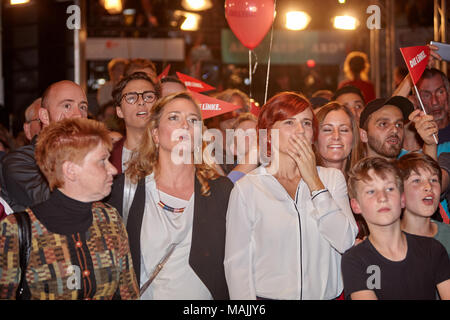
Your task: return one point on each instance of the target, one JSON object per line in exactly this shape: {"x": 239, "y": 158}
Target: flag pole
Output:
{"x": 423, "y": 108}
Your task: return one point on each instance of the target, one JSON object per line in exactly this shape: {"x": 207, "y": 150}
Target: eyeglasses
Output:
{"x": 133, "y": 97}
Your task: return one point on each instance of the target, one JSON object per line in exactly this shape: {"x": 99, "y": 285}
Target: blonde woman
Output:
{"x": 175, "y": 212}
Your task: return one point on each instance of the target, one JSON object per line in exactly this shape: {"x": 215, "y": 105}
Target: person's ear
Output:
{"x": 70, "y": 171}
{"x": 355, "y": 206}
{"x": 119, "y": 112}
{"x": 27, "y": 131}
{"x": 44, "y": 116}
{"x": 403, "y": 200}
{"x": 363, "y": 135}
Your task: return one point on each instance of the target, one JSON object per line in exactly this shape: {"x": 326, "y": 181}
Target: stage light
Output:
{"x": 113, "y": 6}
{"x": 297, "y": 20}
{"x": 345, "y": 22}
{"x": 196, "y": 5}
{"x": 191, "y": 23}
{"x": 14, "y": 2}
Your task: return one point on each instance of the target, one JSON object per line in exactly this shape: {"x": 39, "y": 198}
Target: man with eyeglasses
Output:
{"x": 134, "y": 97}
{"x": 434, "y": 92}
{"x": 23, "y": 184}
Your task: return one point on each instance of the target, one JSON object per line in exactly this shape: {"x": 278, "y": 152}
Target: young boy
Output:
{"x": 422, "y": 178}
{"x": 390, "y": 264}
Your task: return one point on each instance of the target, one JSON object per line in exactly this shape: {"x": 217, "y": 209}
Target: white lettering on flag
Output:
{"x": 193, "y": 84}
{"x": 417, "y": 59}
{"x": 210, "y": 106}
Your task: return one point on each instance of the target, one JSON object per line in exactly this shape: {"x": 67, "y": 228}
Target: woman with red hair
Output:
{"x": 288, "y": 221}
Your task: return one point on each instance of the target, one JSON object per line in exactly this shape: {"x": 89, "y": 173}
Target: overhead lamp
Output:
{"x": 113, "y": 6}
{"x": 15, "y": 2}
{"x": 191, "y": 23}
{"x": 297, "y": 20}
{"x": 345, "y": 22}
{"x": 341, "y": 1}
{"x": 196, "y": 5}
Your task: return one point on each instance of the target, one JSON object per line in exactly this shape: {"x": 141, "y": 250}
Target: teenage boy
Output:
{"x": 422, "y": 185}
{"x": 390, "y": 263}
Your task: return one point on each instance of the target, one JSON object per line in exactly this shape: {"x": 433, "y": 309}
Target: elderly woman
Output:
{"x": 175, "y": 208}
{"x": 337, "y": 144}
{"x": 79, "y": 246}
{"x": 289, "y": 221}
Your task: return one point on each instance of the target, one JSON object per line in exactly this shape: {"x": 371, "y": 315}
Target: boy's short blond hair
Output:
{"x": 380, "y": 166}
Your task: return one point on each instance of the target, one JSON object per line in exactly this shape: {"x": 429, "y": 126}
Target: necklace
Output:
{"x": 167, "y": 207}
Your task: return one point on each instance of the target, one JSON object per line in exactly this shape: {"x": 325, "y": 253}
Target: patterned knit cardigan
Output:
{"x": 49, "y": 271}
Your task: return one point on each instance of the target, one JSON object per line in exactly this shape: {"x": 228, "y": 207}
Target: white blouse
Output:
{"x": 160, "y": 229}
{"x": 279, "y": 248}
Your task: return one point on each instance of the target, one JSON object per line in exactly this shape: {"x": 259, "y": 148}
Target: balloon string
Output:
{"x": 270, "y": 55}
{"x": 250, "y": 71}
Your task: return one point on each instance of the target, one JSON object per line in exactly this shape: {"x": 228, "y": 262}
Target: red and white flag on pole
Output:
{"x": 416, "y": 59}
{"x": 194, "y": 84}
{"x": 165, "y": 73}
{"x": 212, "y": 107}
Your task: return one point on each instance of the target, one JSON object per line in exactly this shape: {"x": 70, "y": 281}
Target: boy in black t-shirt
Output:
{"x": 390, "y": 264}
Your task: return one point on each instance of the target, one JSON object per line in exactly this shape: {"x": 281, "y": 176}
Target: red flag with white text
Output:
{"x": 194, "y": 84}
{"x": 212, "y": 107}
{"x": 416, "y": 59}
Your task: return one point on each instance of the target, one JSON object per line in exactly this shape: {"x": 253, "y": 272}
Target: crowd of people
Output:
{"x": 341, "y": 195}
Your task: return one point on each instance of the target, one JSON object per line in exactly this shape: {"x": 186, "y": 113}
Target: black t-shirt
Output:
{"x": 426, "y": 265}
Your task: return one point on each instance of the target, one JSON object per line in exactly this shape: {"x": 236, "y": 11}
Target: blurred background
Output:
{"x": 40, "y": 46}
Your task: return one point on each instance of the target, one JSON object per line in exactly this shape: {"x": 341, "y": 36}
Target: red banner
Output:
{"x": 194, "y": 84}
{"x": 212, "y": 107}
{"x": 416, "y": 59}
{"x": 165, "y": 73}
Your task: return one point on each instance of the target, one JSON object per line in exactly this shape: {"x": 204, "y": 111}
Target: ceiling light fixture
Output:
{"x": 297, "y": 20}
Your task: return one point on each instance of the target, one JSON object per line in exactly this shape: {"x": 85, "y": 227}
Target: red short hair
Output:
{"x": 283, "y": 106}
{"x": 67, "y": 140}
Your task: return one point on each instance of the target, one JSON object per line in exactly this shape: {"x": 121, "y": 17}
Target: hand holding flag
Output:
{"x": 416, "y": 59}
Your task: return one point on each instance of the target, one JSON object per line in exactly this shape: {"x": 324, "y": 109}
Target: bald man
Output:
{"x": 23, "y": 184}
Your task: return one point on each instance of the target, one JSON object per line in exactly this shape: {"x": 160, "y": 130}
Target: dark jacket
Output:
{"x": 23, "y": 184}
{"x": 116, "y": 155}
{"x": 208, "y": 231}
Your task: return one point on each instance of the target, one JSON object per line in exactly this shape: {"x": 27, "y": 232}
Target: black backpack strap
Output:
{"x": 24, "y": 226}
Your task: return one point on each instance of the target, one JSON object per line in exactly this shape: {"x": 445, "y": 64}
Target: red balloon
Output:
{"x": 250, "y": 20}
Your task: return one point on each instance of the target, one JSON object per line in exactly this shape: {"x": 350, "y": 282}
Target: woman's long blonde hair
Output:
{"x": 144, "y": 161}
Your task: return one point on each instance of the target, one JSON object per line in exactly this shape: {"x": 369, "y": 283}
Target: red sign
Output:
{"x": 212, "y": 107}
{"x": 165, "y": 73}
{"x": 194, "y": 84}
{"x": 416, "y": 59}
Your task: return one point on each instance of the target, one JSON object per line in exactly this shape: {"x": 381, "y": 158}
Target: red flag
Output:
{"x": 194, "y": 84}
{"x": 165, "y": 73}
{"x": 416, "y": 59}
{"x": 255, "y": 110}
{"x": 212, "y": 107}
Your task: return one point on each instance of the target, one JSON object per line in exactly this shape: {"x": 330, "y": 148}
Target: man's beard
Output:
{"x": 384, "y": 149}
